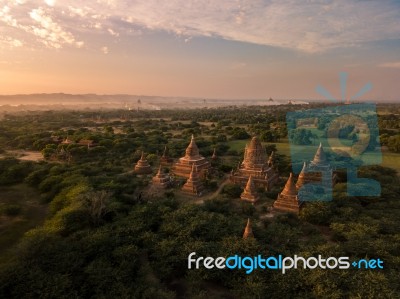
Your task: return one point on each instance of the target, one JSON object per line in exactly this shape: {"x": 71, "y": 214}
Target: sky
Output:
{"x": 212, "y": 49}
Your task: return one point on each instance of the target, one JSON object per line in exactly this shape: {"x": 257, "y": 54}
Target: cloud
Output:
{"x": 21, "y": 18}
{"x": 311, "y": 26}
{"x": 105, "y": 50}
{"x": 112, "y": 32}
{"x": 50, "y": 32}
{"x": 11, "y": 42}
{"x": 394, "y": 65}
{"x": 50, "y": 2}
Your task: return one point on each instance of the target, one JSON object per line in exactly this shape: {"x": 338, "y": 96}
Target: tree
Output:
{"x": 96, "y": 202}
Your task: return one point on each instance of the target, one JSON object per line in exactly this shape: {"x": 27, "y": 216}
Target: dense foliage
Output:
{"x": 103, "y": 238}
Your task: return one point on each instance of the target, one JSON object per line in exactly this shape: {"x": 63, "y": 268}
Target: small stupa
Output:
{"x": 193, "y": 184}
{"x": 161, "y": 179}
{"x": 142, "y": 166}
{"x": 288, "y": 200}
{"x": 248, "y": 231}
{"x": 249, "y": 193}
{"x": 165, "y": 160}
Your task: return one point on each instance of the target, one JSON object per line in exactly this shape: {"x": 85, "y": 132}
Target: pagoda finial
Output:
{"x": 214, "y": 155}
{"x": 250, "y": 184}
{"x": 248, "y": 231}
{"x": 290, "y": 187}
{"x": 303, "y": 170}
{"x": 302, "y": 177}
{"x": 159, "y": 171}
{"x": 142, "y": 156}
{"x": 319, "y": 155}
{"x": 193, "y": 172}
{"x": 271, "y": 159}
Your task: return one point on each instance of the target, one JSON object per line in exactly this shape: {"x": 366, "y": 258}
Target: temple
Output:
{"x": 165, "y": 160}
{"x": 255, "y": 164}
{"x": 142, "y": 166}
{"x": 161, "y": 179}
{"x": 248, "y": 231}
{"x": 249, "y": 192}
{"x": 316, "y": 178}
{"x": 192, "y": 157}
{"x": 193, "y": 185}
{"x": 288, "y": 200}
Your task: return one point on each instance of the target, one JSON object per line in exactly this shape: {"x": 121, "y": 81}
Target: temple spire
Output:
{"x": 302, "y": 177}
{"x": 192, "y": 151}
{"x": 159, "y": 172}
{"x": 193, "y": 184}
{"x": 250, "y": 184}
{"x": 193, "y": 173}
{"x": 214, "y": 155}
{"x": 271, "y": 159}
{"x": 320, "y": 157}
{"x": 290, "y": 187}
{"x": 288, "y": 200}
{"x": 248, "y": 231}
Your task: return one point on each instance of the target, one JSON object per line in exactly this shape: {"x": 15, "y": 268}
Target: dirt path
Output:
{"x": 213, "y": 195}
{"x": 26, "y": 155}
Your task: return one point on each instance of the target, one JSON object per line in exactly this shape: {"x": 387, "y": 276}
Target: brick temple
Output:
{"x": 142, "y": 166}
{"x": 249, "y": 192}
{"x": 193, "y": 185}
{"x": 183, "y": 166}
{"x": 317, "y": 171}
{"x": 161, "y": 179}
{"x": 255, "y": 164}
{"x": 288, "y": 200}
{"x": 315, "y": 182}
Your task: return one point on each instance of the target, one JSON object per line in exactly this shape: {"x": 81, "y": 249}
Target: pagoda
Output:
{"x": 214, "y": 155}
{"x": 165, "y": 160}
{"x": 183, "y": 166}
{"x": 142, "y": 166}
{"x": 288, "y": 200}
{"x": 161, "y": 179}
{"x": 193, "y": 184}
{"x": 255, "y": 163}
{"x": 249, "y": 192}
{"x": 317, "y": 176}
{"x": 248, "y": 231}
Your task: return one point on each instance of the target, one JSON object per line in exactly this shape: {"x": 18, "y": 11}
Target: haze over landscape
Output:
{"x": 224, "y": 49}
